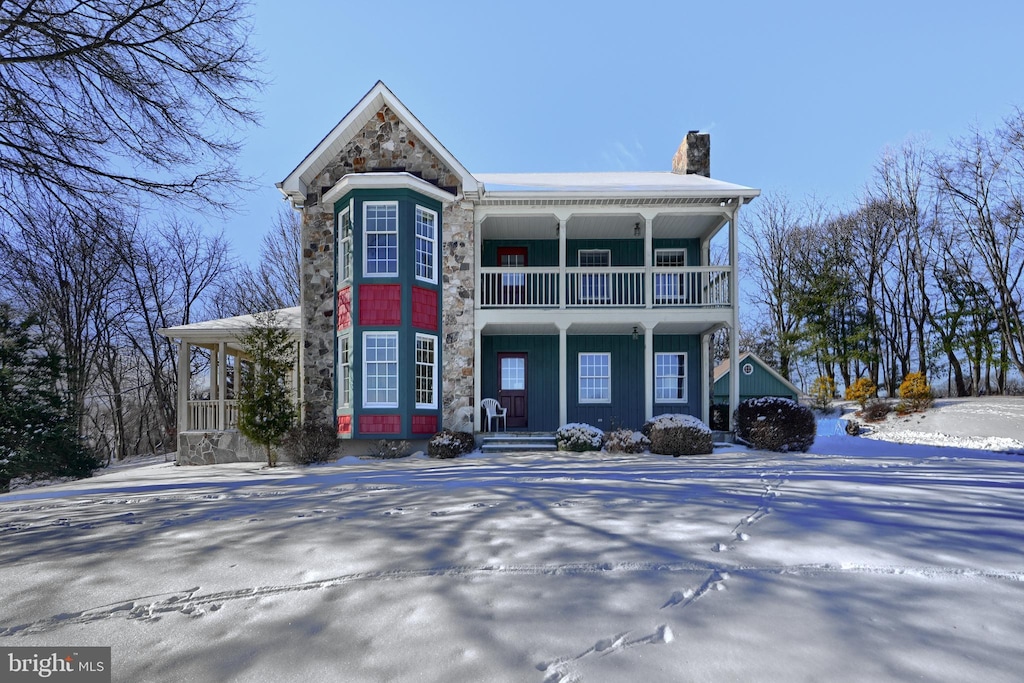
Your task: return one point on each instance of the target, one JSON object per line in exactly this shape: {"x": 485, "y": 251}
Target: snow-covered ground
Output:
{"x": 864, "y": 560}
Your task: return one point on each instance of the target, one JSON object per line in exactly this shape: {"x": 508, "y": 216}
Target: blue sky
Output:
{"x": 800, "y": 97}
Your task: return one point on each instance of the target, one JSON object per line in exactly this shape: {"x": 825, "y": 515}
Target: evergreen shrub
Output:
{"x": 775, "y": 424}
{"x": 677, "y": 434}
{"x": 626, "y": 441}
{"x": 579, "y": 436}
{"x": 448, "y": 443}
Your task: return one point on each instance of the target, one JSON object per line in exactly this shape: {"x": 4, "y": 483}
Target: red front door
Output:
{"x": 512, "y": 387}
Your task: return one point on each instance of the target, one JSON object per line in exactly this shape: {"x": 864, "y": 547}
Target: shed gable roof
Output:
{"x": 294, "y": 187}
{"x": 722, "y": 370}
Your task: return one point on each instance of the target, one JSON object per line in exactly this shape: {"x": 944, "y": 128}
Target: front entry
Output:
{"x": 512, "y": 388}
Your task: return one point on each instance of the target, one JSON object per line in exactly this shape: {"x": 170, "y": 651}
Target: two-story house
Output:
{"x": 569, "y": 297}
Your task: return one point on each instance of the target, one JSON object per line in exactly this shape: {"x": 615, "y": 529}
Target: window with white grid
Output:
{"x": 426, "y": 371}
{"x": 595, "y": 376}
{"x": 380, "y": 369}
{"x": 426, "y": 244}
{"x": 345, "y": 248}
{"x": 670, "y": 377}
{"x": 344, "y": 372}
{"x": 380, "y": 228}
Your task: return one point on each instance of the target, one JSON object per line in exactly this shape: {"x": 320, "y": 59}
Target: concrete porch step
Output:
{"x": 518, "y": 442}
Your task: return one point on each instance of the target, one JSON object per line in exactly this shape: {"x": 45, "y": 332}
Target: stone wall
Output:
{"x": 385, "y": 143}
{"x": 212, "y": 448}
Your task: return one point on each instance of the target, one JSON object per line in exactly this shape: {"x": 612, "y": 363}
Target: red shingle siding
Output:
{"x": 380, "y": 304}
{"x": 345, "y": 308}
{"x": 424, "y": 308}
{"x": 380, "y": 424}
{"x": 344, "y": 424}
{"x": 424, "y": 424}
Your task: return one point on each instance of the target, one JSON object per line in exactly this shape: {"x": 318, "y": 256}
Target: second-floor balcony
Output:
{"x": 578, "y": 287}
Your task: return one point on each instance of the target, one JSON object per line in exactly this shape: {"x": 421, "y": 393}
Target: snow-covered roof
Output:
{"x": 603, "y": 184}
{"x": 229, "y": 329}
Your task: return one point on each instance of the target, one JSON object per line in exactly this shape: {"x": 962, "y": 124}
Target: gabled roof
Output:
{"x": 230, "y": 329}
{"x": 722, "y": 369}
{"x": 294, "y": 186}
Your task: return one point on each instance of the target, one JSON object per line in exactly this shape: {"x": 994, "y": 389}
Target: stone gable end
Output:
{"x": 386, "y": 143}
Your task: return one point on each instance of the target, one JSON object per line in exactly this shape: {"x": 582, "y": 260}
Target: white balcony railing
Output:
{"x": 699, "y": 286}
{"x": 203, "y": 415}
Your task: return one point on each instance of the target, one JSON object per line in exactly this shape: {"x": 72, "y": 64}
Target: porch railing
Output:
{"x": 696, "y": 286}
{"x": 203, "y": 415}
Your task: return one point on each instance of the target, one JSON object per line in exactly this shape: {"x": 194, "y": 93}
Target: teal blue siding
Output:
{"x": 627, "y": 381}
{"x": 690, "y": 345}
{"x": 541, "y": 375}
{"x": 759, "y": 383}
{"x": 625, "y": 253}
{"x": 539, "y": 253}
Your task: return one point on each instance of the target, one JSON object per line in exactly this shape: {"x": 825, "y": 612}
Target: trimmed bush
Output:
{"x": 676, "y": 434}
{"x": 915, "y": 393}
{"x": 775, "y": 424}
{"x": 822, "y": 392}
{"x": 875, "y": 411}
{"x": 578, "y": 436}
{"x": 448, "y": 443}
{"x": 388, "y": 449}
{"x": 626, "y": 441}
{"x": 860, "y": 391}
{"x": 310, "y": 443}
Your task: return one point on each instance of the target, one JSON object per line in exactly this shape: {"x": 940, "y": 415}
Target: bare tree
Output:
{"x": 104, "y": 101}
{"x": 275, "y": 281}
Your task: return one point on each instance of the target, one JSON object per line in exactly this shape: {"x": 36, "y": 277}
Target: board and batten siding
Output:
{"x": 541, "y": 375}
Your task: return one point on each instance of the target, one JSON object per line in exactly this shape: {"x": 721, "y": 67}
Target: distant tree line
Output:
{"x": 116, "y": 123}
{"x": 923, "y": 275}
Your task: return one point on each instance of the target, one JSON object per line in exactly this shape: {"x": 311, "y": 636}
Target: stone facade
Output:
{"x": 212, "y": 448}
{"x": 693, "y": 155}
{"x": 386, "y": 143}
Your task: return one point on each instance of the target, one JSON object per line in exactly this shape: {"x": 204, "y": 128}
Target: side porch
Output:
{"x": 207, "y": 406}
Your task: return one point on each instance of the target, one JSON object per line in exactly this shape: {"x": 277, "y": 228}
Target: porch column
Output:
{"x": 478, "y": 251}
{"x": 237, "y": 374}
{"x": 648, "y": 371}
{"x": 649, "y": 263}
{"x": 734, "y": 329}
{"x": 184, "y": 379}
{"x": 563, "y": 375}
{"x": 214, "y": 371}
{"x": 563, "y": 250}
{"x": 222, "y": 384}
{"x": 477, "y": 367}
{"x": 705, "y": 379}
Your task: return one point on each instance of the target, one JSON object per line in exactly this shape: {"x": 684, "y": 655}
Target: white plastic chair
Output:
{"x": 494, "y": 411}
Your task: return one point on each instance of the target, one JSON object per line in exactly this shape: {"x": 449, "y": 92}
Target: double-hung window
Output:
{"x": 670, "y": 288}
{"x": 380, "y": 369}
{"x": 426, "y": 371}
{"x": 345, "y": 246}
{"x": 595, "y": 376}
{"x": 594, "y": 288}
{"x": 380, "y": 227}
{"x": 345, "y": 372}
{"x": 426, "y": 244}
{"x": 670, "y": 377}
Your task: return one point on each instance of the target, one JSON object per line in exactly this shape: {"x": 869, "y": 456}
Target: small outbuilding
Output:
{"x": 757, "y": 378}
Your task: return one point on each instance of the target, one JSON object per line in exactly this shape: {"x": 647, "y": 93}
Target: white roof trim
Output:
{"x": 604, "y": 185}
{"x": 294, "y": 186}
{"x": 229, "y": 329}
{"x": 385, "y": 180}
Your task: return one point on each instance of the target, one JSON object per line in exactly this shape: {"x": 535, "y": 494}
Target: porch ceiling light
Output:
{"x": 636, "y": 233}
{"x": 636, "y": 333}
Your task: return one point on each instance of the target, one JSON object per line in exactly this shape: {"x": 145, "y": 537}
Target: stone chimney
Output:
{"x": 693, "y": 155}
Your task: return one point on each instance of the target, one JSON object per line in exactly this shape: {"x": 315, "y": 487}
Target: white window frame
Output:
{"x": 430, "y": 252}
{"x": 430, "y": 367}
{"x": 367, "y": 272}
{"x": 681, "y": 368}
{"x": 367, "y": 374}
{"x": 594, "y": 288}
{"x": 344, "y": 272}
{"x": 580, "y": 377}
{"x": 670, "y": 287}
{"x": 345, "y": 371}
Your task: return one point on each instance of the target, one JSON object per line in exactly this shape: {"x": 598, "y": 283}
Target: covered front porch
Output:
{"x": 207, "y": 391}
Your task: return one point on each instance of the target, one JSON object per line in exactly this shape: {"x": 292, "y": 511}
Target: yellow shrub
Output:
{"x": 823, "y": 390}
{"x": 915, "y": 392}
{"x": 860, "y": 391}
